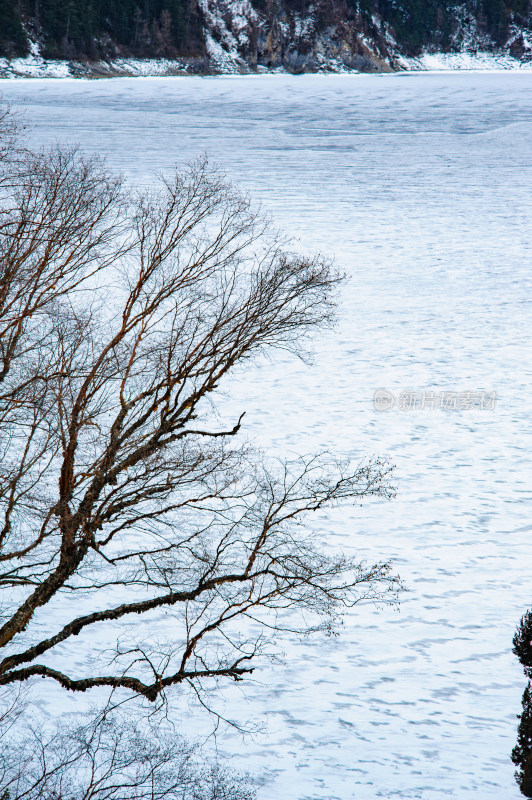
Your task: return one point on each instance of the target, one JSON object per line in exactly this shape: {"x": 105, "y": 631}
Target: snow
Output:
{"x": 219, "y": 56}
{"x": 469, "y": 61}
{"x": 33, "y": 66}
{"x": 227, "y": 31}
{"x": 419, "y": 185}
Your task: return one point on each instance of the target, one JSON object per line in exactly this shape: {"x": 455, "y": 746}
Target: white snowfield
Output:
{"x": 420, "y": 186}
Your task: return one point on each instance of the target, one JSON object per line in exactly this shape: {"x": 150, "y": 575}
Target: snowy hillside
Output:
{"x": 241, "y": 36}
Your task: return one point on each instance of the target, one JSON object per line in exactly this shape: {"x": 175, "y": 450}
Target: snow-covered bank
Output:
{"x": 34, "y": 66}
{"x": 466, "y": 61}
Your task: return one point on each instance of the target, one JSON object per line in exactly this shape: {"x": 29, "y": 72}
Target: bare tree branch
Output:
{"x": 109, "y": 759}
{"x": 120, "y": 318}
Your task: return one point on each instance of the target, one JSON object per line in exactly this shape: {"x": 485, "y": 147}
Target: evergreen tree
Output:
{"x": 149, "y": 28}
{"x": 522, "y": 752}
{"x": 496, "y": 14}
{"x": 13, "y": 40}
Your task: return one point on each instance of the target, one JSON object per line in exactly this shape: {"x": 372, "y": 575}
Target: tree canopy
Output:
{"x": 121, "y": 491}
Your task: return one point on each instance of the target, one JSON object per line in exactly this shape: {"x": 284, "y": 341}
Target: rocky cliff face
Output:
{"x": 326, "y": 36}
{"x": 336, "y": 36}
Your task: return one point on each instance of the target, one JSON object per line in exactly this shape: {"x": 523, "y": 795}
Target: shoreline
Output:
{"x": 36, "y": 67}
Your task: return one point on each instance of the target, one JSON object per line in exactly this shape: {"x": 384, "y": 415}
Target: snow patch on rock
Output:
{"x": 228, "y": 24}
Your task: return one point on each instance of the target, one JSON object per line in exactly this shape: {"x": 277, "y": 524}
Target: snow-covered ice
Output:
{"x": 420, "y": 186}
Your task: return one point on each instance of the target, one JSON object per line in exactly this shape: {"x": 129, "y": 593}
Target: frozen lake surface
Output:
{"x": 420, "y": 186}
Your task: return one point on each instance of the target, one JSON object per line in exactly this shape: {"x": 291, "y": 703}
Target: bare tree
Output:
{"x": 121, "y": 493}
{"x": 11, "y": 127}
{"x": 111, "y": 759}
